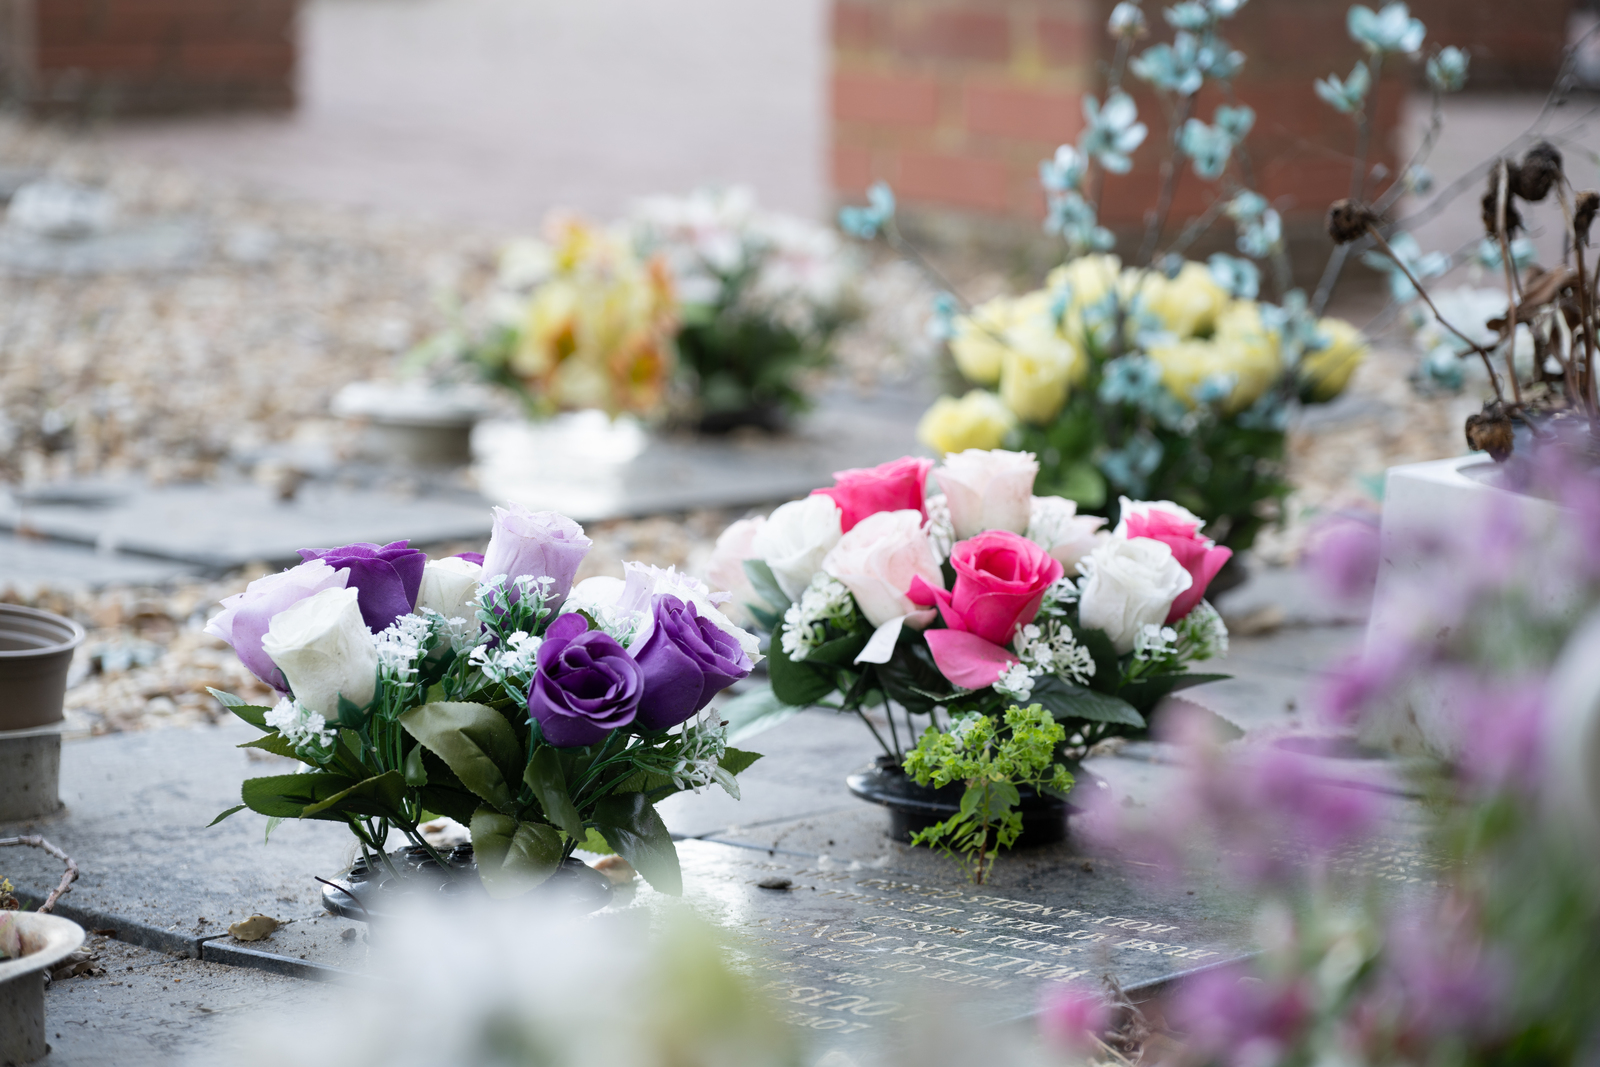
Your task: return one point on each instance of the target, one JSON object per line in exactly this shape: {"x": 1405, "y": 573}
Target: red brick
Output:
{"x": 860, "y": 27}
{"x": 955, "y": 181}
{"x": 1067, "y": 42}
{"x": 94, "y": 57}
{"x": 1026, "y": 114}
{"x": 895, "y": 100}
{"x": 244, "y": 59}
{"x": 982, "y": 36}
{"x": 851, "y": 168}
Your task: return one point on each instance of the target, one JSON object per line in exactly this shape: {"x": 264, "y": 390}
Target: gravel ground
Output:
{"x": 219, "y": 368}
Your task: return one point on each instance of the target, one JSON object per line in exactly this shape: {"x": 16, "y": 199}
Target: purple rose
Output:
{"x": 386, "y": 579}
{"x": 686, "y": 661}
{"x": 471, "y": 557}
{"x": 245, "y": 617}
{"x": 587, "y": 684}
{"x": 541, "y": 543}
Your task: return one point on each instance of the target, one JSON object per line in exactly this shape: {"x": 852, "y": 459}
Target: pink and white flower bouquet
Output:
{"x": 973, "y": 599}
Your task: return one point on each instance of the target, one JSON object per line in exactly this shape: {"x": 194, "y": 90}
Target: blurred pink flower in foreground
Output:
{"x": 1072, "y": 1020}
{"x": 1230, "y": 1018}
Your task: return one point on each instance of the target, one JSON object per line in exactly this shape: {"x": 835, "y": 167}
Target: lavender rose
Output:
{"x": 386, "y": 577}
{"x": 245, "y": 617}
{"x": 686, "y": 660}
{"x": 541, "y": 543}
{"x": 586, "y": 687}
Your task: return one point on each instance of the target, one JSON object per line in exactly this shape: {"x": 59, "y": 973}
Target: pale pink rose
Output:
{"x": 877, "y": 561}
{"x": 1055, "y": 526}
{"x": 988, "y": 490}
{"x": 725, "y": 570}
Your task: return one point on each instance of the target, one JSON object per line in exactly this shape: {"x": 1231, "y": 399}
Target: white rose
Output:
{"x": 1145, "y": 507}
{"x": 987, "y": 490}
{"x": 795, "y": 538}
{"x": 878, "y": 558}
{"x": 325, "y": 651}
{"x": 1127, "y": 585}
{"x": 725, "y": 570}
{"x": 626, "y": 605}
{"x": 450, "y": 587}
{"x": 1055, "y": 526}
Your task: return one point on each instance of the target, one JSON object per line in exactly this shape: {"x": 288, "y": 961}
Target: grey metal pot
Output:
{"x": 36, "y": 650}
{"x": 46, "y": 940}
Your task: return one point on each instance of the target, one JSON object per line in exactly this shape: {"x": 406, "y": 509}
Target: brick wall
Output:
{"x": 955, "y": 102}
{"x": 145, "y": 56}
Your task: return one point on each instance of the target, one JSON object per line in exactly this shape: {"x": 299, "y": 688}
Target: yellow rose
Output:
{"x": 1089, "y": 278}
{"x": 1324, "y": 374}
{"x": 549, "y": 331}
{"x": 978, "y": 420}
{"x": 1188, "y": 304}
{"x": 977, "y": 346}
{"x": 1187, "y": 367}
{"x": 1040, "y": 363}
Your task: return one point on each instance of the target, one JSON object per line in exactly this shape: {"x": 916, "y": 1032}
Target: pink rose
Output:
{"x": 1001, "y": 578}
{"x": 898, "y": 485}
{"x": 883, "y": 558}
{"x": 1196, "y": 554}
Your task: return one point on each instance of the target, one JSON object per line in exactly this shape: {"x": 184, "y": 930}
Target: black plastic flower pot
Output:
{"x": 914, "y": 807}
{"x": 367, "y": 893}
{"x": 35, "y": 652}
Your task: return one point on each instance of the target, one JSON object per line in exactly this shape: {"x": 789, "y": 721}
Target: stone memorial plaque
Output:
{"x": 850, "y": 954}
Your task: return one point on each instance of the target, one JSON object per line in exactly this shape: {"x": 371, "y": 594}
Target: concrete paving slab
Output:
{"x": 135, "y": 820}
{"x": 154, "y": 1010}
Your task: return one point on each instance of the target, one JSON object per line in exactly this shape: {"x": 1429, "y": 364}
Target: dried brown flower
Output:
{"x": 1490, "y": 430}
{"x": 1583, "y": 215}
{"x": 1540, "y": 170}
{"x": 1491, "y": 205}
{"x": 1348, "y": 220}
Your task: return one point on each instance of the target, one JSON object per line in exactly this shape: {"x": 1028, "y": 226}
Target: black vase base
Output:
{"x": 373, "y": 892}
{"x": 914, "y": 808}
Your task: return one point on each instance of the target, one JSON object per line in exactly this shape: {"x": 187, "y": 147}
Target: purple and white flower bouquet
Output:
{"x": 546, "y": 716}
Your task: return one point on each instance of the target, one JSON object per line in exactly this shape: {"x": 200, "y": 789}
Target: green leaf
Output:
{"x": 767, "y": 620}
{"x": 457, "y": 804}
{"x": 324, "y": 795}
{"x": 351, "y": 716}
{"x": 274, "y": 743}
{"x": 796, "y": 683}
{"x": 1107, "y": 668}
{"x": 272, "y": 824}
{"x": 634, "y": 828}
{"x": 594, "y": 842}
{"x": 475, "y": 742}
{"x": 254, "y": 714}
{"x": 548, "y": 780}
{"x": 1145, "y": 695}
{"x": 513, "y": 856}
{"x": 754, "y": 711}
{"x": 231, "y": 811}
{"x": 1082, "y": 483}
{"x": 737, "y": 761}
{"x": 1066, "y": 701}
{"x": 841, "y": 651}
{"x": 381, "y": 796}
{"x": 415, "y": 771}
{"x": 766, "y": 585}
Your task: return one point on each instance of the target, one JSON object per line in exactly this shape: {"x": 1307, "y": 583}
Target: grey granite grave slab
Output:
{"x": 31, "y": 564}
{"x": 592, "y": 471}
{"x": 170, "y": 244}
{"x": 225, "y": 526}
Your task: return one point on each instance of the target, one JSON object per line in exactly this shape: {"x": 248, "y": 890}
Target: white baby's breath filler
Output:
{"x": 824, "y": 600}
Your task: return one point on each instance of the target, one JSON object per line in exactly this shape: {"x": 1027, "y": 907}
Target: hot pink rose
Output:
{"x": 1198, "y": 555}
{"x": 1001, "y": 577}
{"x": 898, "y": 485}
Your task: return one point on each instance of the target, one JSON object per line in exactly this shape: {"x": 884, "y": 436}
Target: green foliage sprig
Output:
{"x": 994, "y": 767}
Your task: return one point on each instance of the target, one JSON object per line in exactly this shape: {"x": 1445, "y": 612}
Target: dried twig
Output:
{"x": 70, "y": 876}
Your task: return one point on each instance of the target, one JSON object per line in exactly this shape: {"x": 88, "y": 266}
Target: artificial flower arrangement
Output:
{"x": 1128, "y": 381}
{"x": 973, "y": 600}
{"x": 1155, "y": 375}
{"x": 543, "y": 715}
{"x": 575, "y": 321}
{"x": 762, "y": 297}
